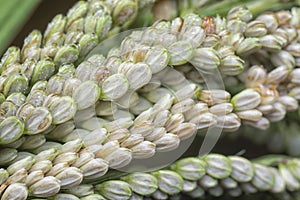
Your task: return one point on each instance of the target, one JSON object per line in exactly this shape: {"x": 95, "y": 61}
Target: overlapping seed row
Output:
{"x": 143, "y": 133}
{"x": 57, "y": 82}
{"x": 211, "y": 175}
{"x": 66, "y": 39}
{"x": 83, "y": 21}
{"x": 156, "y": 125}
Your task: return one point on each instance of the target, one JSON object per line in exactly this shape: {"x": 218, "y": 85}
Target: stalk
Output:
{"x": 11, "y": 24}
{"x": 212, "y": 8}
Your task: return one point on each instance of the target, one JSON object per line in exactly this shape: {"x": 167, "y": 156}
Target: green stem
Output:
{"x": 13, "y": 14}
{"x": 271, "y": 160}
{"x": 222, "y": 7}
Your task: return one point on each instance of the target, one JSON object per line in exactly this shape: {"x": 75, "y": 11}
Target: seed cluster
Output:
{"x": 65, "y": 120}
{"x": 211, "y": 175}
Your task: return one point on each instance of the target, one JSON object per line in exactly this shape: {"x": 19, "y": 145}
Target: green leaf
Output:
{"x": 13, "y": 14}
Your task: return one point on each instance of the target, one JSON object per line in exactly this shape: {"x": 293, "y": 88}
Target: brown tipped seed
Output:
{"x": 156, "y": 134}
{"x": 84, "y": 157}
{"x": 255, "y": 29}
{"x": 269, "y": 95}
{"x": 256, "y": 75}
{"x": 132, "y": 140}
{"x": 143, "y": 128}
{"x": 198, "y": 108}
{"x": 18, "y": 177}
{"x": 213, "y": 97}
{"x": 269, "y": 19}
{"x": 174, "y": 121}
{"x": 39, "y": 120}
{"x": 146, "y": 116}
{"x": 278, "y": 75}
{"x": 185, "y": 130}
{"x": 57, "y": 168}
{"x": 204, "y": 121}
{"x": 183, "y": 106}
